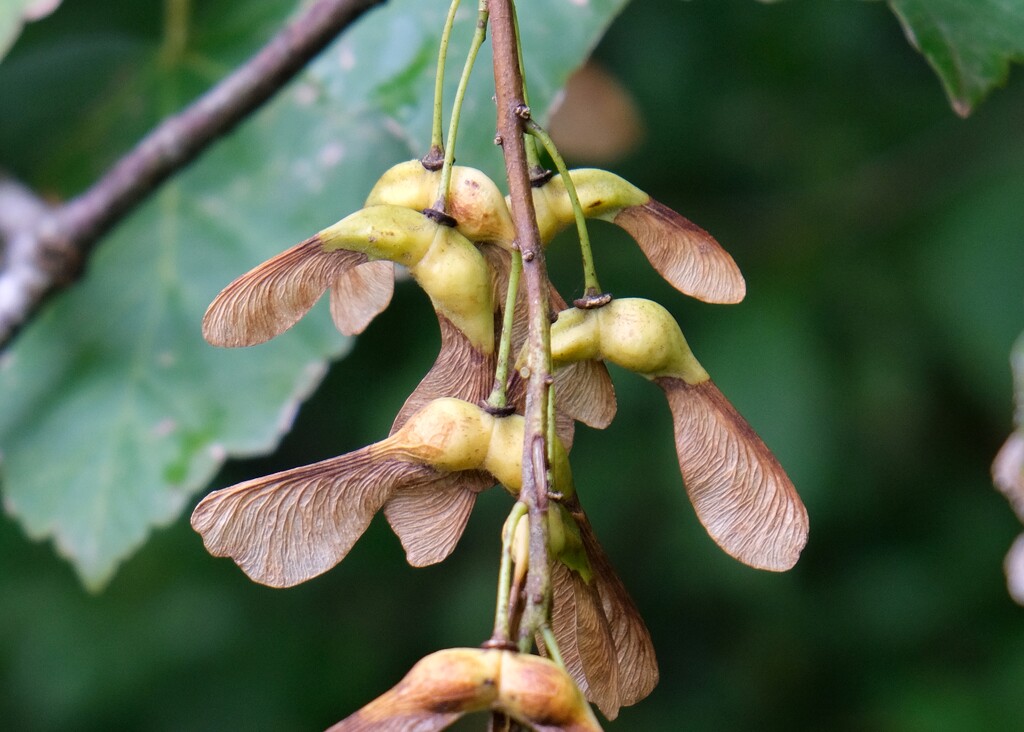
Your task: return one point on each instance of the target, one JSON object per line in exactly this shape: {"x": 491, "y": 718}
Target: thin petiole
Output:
{"x": 460, "y": 94}
{"x": 499, "y": 394}
{"x": 552, "y": 646}
{"x": 589, "y": 270}
{"x": 436, "y": 130}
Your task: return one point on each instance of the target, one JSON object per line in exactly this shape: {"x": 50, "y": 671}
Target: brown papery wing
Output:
{"x": 289, "y": 527}
{"x": 684, "y": 254}
{"x": 585, "y": 392}
{"x": 369, "y": 719}
{"x": 638, "y": 666}
{"x": 459, "y": 371}
{"x": 270, "y": 299}
{"x": 740, "y": 491}
{"x": 401, "y": 709}
{"x": 584, "y": 638}
{"x": 360, "y": 294}
{"x": 429, "y": 519}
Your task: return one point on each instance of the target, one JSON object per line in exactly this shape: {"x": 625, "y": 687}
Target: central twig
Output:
{"x": 512, "y": 115}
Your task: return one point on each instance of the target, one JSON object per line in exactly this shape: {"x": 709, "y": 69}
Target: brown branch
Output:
{"x": 512, "y": 114}
{"x": 45, "y": 252}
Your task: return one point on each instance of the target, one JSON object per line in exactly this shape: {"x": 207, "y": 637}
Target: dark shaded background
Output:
{"x": 881, "y": 237}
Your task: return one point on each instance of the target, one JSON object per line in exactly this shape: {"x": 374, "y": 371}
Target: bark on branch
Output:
{"x": 512, "y": 115}
{"x": 43, "y": 247}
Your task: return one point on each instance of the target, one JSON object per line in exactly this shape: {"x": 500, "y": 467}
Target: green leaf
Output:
{"x": 15, "y": 13}
{"x": 969, "y": 44}
{"x": 113, "y": 410}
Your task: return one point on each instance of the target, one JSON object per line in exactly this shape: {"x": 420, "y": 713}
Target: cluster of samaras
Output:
{"x": 446, "y": 446}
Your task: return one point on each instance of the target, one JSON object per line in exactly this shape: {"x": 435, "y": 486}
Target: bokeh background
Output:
{"x": 882, "y": 238}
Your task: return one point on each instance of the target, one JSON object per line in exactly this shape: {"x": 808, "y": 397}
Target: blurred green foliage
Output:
{"x": 881, "y": 240}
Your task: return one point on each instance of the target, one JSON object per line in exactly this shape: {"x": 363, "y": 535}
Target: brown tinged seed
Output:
{"x": 291, "y": 526}
{"x": 536, "y": 692}
{"x": 360, "y": 294}
{"x": 740, "y": 492}
{"x": 603, "y": 640}
{"x": 1008, "y": 476}
{"x": 584, "y": 638}
{"x": 449, "y": 684}
{"x": 286, "y": 528}
{"x": 689, "y": 258}
{"x": 437, "y": 691}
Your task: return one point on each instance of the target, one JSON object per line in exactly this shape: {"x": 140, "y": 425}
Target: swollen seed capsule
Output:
{"x": 382, "y": 232}
{"x": 637, "y": 334}
{"x": 536, "y": 691}
{"x": 602, "y": 195}
{"x": 455, "y": 276}
{"x": 505, "y": 453}
{"x": 449, "y": 268}
{"x": 474, "y": 200}
{"x": 684, "y": 254}
{"x": 448, "y": 434}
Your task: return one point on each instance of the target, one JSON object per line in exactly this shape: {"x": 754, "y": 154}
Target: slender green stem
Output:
{"x": 460, "y": 95}
{"x": 499, "y": 395}
{"x": 502, "y": 630}
{"x": 552, "y": 645}
{"x": 589, "y": 270}
{"x": 436, "y": 131}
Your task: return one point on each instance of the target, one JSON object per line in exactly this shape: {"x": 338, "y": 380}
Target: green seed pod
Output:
{"x": 536, "y": 692}
{"x": 602, "y": 195}
{"x": 566, "y": 543}
{"x": 382, "y": 232}
{"x": 448, "y": 434}
{"x": 505, "y": 452}
{"x": 444, "y": 263}
{"x": 456, "y": 277}
{"x": 683, "y": 253}
{"x": 639, "y": 335}
{"x": 505, "y": 457}
{"x": 474, "y": 200}
{"x": 740, "y": 492}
